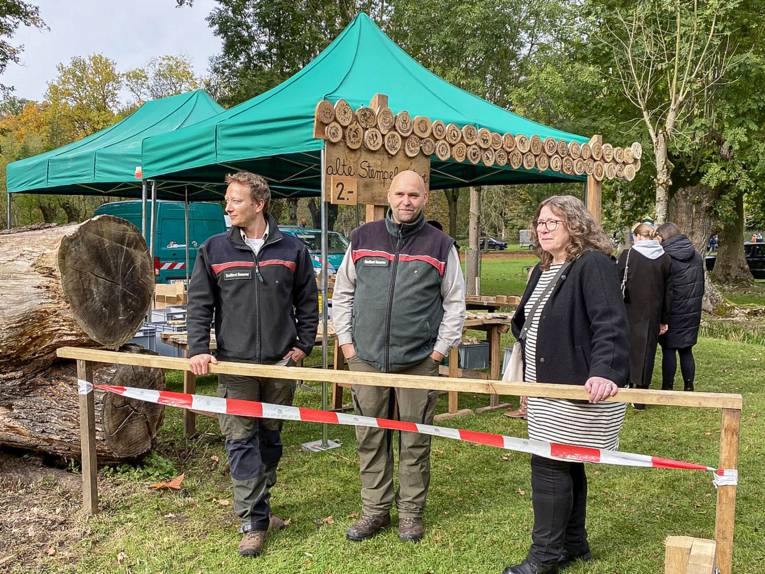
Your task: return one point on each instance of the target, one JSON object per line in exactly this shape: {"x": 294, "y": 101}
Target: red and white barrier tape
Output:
{"x": 238, "y": 407}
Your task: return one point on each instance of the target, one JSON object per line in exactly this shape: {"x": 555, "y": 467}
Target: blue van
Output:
{"x": 336, "y": 242}
{"x": 205, "y": 219}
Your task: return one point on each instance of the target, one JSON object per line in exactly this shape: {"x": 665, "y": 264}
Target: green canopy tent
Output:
{"x": 272, "y": 134}
{"x": 105, "y": 163}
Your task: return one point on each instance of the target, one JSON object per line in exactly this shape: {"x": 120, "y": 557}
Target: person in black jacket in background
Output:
{"x": 687, "y": 287}
{"x": 644, "y": 270}
{"x": 573, "y": 327}
{"x": 259, "y": 286}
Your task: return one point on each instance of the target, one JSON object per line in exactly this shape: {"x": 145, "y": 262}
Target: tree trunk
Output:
{"x": 48, "y": 210}
{"x": 663, "y": 179}
{"x": 82, "y": 285}
{"x": 41, "y": 412}
{"x": 452, "y": 197}
{"x": 730, "y": 266}
{"x": 292, "y": 211}
{"x": 72, "y": 211}
{"x": 473, "y": 257}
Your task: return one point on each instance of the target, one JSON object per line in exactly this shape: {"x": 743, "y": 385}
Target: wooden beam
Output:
{"x": 375, "y": 212}
{"x": 594, "y": 190}
{"x": 454, "y": 369}
{"x": 676, "y": 553}
{"x": 702, "y": 557}
{"x": 726, "y": 495}
{"x": 518, "y": 389}
{"x": 88, "y": 440}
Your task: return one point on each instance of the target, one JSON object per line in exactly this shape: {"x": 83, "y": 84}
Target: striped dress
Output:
{"x": 562, "y": 421}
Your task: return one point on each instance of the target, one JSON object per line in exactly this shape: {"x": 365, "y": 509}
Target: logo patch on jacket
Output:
{"x": 231, "y": 275}
{"x": 375, "y": 262}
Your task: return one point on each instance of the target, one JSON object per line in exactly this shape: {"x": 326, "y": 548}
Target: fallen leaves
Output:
{"x": 172, "y": 484}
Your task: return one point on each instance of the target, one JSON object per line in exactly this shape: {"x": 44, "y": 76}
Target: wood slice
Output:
{"x": 516, "y": 159}
{"x": 459, "y": 151}
{"x": 535, "y": 144}
{"x": 619, "y": 154}
{"x": 568, "y": 165}
{"x": 443, "y": 150}
{"x": 488, "y": 157}
{"x": 562, "y": 148}
{"x": 556, "y": 163}
{"x": 484, "y": 138}
{"x": 599, "y": 171}
{"x": 529, "y": 160}
{"x": 343, "y": 113}
{"x": 453, "y": 134}
{"x": 597, "y": 150}
{"x": 608, "y": 152}
{"x": 508, "y": 142}
{"x": 586, "y": 151}
{"x": 629, "y": 172}
{"x": 496, "y": 141}
{"x": 438, "y": 129}
{"x": 522, "y": 143}
{"x": 589, "y": 166}
{"x": 84, "y": 285}
{"x": 422, "y": 126}
{"x": 404, "y": 123}
{"x": 366, "y": 117}
{"x": 334, "y": 132}
{"x": 575, "y": 150}
{"x": 385, "y": 120}
{"x": 412, "y": 146}
{"x": 373, "y": 139}
{"x": 620, "y": 170}
{"x": 637, "y": 150}
{"x": 325, "y": 112}
{"x": 610, "y": 170}
{"x": 550, "y": 145}
{"x": 392, "y": 142}
{"x": 500, "y": 157}
{"x": 354, "y": 136}
{"x": 469, "y": 134}
{"x": 579, "y": 166}
{"x": 628, "y": 157}
{"x": 543, "y": 162}
{"x": 474, "y": 154}
{"x": 636, "y": 163}
{"x": 427, "y": 146}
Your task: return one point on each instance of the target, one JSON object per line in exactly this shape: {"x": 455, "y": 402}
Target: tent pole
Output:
{"x": 143, "y": 208}
{"x": 152, "y": 218}
{"x": 8, "y": 211}
{"x": 186, "y": 218}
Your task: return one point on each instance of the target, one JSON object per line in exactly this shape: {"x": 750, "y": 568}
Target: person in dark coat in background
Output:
{"x": 687, "y": 291}
{"x": 644, "y": 271}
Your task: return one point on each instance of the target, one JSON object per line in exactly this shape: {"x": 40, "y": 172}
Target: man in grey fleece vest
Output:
{"x": 398, "y": 305}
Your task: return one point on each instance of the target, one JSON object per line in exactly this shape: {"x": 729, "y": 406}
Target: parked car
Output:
{"x": 337, "y": 245}
{"x": 755, "y": 258}
{"x": 492, "y": 243}
{"x": 205, "y": 219}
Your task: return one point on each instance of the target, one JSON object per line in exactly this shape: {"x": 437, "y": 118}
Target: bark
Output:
{"x": 41, "y": 412}
{"x": 663, "y": 179}
{"x": 72, "y": 211}
{"x": 292, "y": 211}
{"x": 48, "y": 211}
{"x": 731, "y": 267}
{"x": 473, "y": 256}
{"x": 315, "y": 208}
{"x": 452, "y": 197}
{"x": 81, "y": 285}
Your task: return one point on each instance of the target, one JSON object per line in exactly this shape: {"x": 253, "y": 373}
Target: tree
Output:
{"x": 161, "y": 77}
{"x": 15, "y": 13}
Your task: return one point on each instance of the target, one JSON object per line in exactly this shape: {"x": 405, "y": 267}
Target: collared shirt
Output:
{"x": 256, "y": 244}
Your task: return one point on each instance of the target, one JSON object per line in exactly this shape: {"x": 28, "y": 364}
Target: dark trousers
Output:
{"x": 669, "y": 367}
{"x": 559, "y": 498}
{"x": 254, "y": 446}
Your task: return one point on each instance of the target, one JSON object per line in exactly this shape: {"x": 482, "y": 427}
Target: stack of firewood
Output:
{"x": 381, "y": 128}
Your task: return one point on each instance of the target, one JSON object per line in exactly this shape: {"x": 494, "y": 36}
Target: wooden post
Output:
{"x": 726, "y": 495}
{"x": 473, "y": 278}
{"x": 88, "y": 439}
{"x": 375, "y": 212}
{"x": 676, "y": 553}
{"x": 338, "y": 363}
{"x": 189, "y": 417}
{"x": 454, "y": 367}
{"x": 495, "y": 363}
{"x": 594, "y": 189}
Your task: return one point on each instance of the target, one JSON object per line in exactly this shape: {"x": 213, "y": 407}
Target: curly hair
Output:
{"x": 259, "y": 190}
{"x": 585, "y": 233}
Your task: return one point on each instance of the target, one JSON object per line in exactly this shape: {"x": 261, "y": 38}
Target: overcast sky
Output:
{"x": 130, "y": 32}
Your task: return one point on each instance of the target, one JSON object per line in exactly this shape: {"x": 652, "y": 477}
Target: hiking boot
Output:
{"x": 367, "y": 527}
{"x": 410, "y": 529}
{"x": 276, "y": 523}
{"x": 252, "y": 543}
{"x": 529, "y": 567}
{"x": 688, "y": 386}
{"x": 638, "y": 406}
{"x": 566, "y": 559}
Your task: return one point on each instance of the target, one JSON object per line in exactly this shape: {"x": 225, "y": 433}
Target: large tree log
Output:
{"x": 41, "y": 413}
{"x": 81, "y": 285}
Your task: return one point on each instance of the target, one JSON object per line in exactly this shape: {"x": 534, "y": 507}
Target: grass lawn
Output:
{"x": 479, "y": 510}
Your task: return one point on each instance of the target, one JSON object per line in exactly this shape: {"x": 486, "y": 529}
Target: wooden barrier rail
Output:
{"x": 730, "y": 404}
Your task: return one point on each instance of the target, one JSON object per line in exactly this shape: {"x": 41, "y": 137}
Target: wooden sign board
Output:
{"x": 344, "y": 190}
{"x": 373, "y": 171}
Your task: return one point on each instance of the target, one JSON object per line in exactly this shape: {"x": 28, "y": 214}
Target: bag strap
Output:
{"x": 626, "y": 271}
{"x": 542, "y": 296}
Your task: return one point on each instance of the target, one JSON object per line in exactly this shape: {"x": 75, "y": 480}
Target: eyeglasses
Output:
{"x": 550, "y": 224}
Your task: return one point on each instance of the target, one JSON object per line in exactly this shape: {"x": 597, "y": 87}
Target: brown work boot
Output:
{"x": 252, "y": 543}
{"x": 367, "y": 526}
{"x": 410, "y": 529}
{"x": 276, "y": 523}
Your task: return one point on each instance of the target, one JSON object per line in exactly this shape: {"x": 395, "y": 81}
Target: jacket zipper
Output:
{"x": 256, "y": 259}
{"x": 394, "y": 268}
